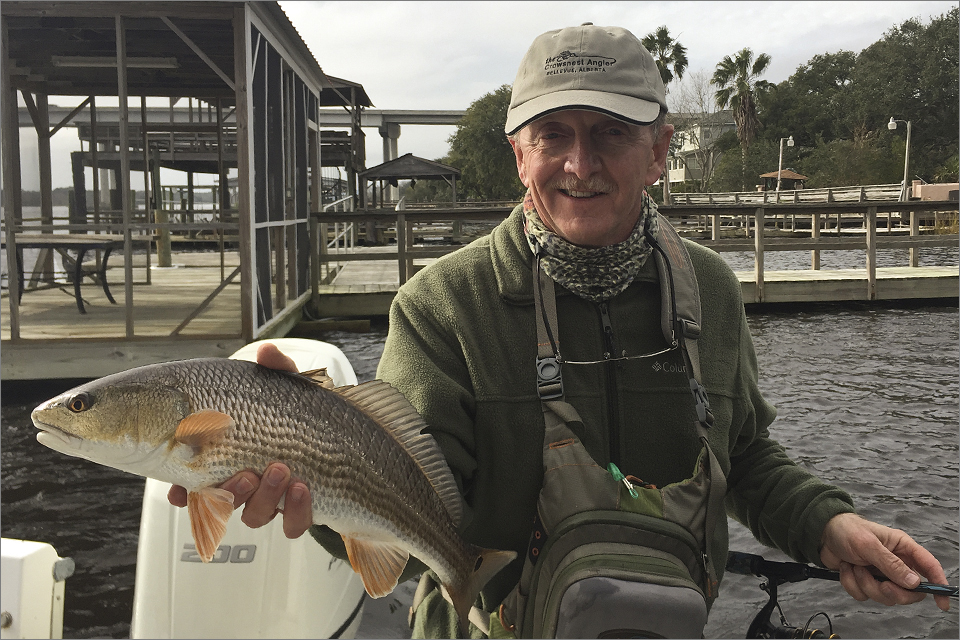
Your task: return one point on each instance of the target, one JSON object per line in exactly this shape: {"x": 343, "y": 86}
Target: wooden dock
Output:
{"x": 179, "y": 314}
{"x": 368, "y": 279}
{"x": 194, "y": 308}
{"x": 367, "y": 287}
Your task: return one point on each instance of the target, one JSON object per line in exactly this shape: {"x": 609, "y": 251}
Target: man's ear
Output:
{"x": 660, "y": 148}
{"x": 518, "y": 153}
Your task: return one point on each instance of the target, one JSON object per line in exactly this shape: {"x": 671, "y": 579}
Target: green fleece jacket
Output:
{"x": 462, "y": 347}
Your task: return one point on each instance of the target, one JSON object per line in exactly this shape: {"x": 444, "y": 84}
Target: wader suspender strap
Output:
{"x": 680, "y": 324}
{"x": 556, "y": 410}
{"x": 680, "y": 319}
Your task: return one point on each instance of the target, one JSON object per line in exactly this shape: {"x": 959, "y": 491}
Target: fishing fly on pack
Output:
{"x": 374, "y": 477}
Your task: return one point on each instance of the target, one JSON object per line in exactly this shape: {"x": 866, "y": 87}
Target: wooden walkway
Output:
{"x": 366, "y": 287}
{"x": 59, "y": 342}
{"x": 194, "y": 309}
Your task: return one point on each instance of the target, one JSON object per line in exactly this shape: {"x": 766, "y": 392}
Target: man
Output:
{"x": 586, "y": 123}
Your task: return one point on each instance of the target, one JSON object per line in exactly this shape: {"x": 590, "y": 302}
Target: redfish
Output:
{"x": 374, "y": 476}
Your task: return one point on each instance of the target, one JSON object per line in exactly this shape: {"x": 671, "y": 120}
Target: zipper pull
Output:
{"x": 619, "y": 477}
{"x": 607, "y": 331}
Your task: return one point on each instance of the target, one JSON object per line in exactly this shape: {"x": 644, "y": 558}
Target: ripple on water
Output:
{"x": 867, "y": 399}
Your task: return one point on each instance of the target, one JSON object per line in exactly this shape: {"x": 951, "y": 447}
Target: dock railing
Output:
{"x": 343, "y": 240}
{"x": 755, "y": 227}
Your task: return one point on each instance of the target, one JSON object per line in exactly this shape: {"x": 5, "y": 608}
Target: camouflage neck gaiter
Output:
{"x": 596, "y": 274}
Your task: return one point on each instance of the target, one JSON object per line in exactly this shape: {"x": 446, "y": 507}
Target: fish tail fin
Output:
{"x": 487, "y": 563}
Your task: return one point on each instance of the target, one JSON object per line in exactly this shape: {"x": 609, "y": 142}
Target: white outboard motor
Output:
{"x": 31, "y": 589}
{"x": 259, "y": 584}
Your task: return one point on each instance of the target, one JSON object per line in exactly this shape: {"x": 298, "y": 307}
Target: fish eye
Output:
{"x": 80, "y": 402}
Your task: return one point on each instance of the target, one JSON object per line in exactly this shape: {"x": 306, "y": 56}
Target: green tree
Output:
{"x": 427, "y": 190}
{"x": 870, "y": 158}
{"x": 734, "y": 169}
{"x": 481, "y": 151}
{"x": 671, "y": 56}
{"x": 739, "y": 86}
{"x": 913, "y": 73}
{"x": 813, "y": 103}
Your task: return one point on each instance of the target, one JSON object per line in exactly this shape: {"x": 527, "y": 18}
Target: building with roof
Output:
{"x": 693, "y": 152}
{"x": 227, "y": 88}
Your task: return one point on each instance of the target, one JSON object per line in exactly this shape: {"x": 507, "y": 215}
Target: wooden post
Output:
{"x": 914, "y": 232}
{"x": 224, "y": 199}
{"x": 161, "y": 215}
{"x": 815, "y": 234}
{"x": 241, "y": 65}
{"x": 145, "y": 149}
{"x": 715, "y": 227}
{"x": 125, "y": 171}
{"x": 758, "y": 254}
{"x": 46, "y": 180}
{"x": 95, "y": 163}
{"x": 870, "y": 220}
{"x": 313, "y": 158}
{"x": 402, "y": 245}
{"x": 9, "y": 142}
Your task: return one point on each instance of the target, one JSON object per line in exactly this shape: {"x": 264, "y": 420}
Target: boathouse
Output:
{"x": 222, "y": 88}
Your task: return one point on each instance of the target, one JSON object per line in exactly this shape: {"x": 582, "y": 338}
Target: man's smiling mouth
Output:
{"x": 581, "y": 194}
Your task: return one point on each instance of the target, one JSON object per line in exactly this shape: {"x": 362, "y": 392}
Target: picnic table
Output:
{"x": 79, "y": 242}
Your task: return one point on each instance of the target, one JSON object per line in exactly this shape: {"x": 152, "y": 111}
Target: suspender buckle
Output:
{"x": 704, "y": 414}
{"x": 549, "y": 382}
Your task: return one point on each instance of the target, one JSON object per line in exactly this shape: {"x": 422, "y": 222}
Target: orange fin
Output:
{"x": 203, "y": 428}
{"x": 379, "y": 564}
{"x": 209, "y": 510}
{"x": 320, "y": 377}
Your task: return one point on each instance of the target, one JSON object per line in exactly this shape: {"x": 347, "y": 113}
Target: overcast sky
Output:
{"x": 445, "y": 55}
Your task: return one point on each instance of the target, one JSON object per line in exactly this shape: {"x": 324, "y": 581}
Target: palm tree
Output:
{"x": 667, "y": 52}
{"x": 739, "y": 86}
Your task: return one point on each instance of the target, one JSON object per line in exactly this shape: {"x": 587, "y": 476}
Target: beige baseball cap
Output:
{"x": 602, "y": 69}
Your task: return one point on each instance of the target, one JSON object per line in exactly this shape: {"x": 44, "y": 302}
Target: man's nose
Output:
{"x": 582, "y": 159}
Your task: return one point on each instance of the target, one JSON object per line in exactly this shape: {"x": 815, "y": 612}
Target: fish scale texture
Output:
{"x": 355, "y": 469}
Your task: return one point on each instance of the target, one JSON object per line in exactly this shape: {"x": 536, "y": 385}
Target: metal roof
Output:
{"x": 409, "y": 166}
{"x": 785, "y": 174}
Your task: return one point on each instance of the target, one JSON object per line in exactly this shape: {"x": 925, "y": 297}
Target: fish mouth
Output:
{"x": 56, "y": 438}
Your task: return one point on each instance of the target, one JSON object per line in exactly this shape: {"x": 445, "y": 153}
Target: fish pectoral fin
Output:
{"x": 203, "y": 428}
{"x": 209, "y": 509}
{"x": 378, "y": 563}
{"x": 320, "y": 377}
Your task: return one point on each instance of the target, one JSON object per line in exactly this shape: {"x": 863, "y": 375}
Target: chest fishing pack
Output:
{"x": 610, "y": 556}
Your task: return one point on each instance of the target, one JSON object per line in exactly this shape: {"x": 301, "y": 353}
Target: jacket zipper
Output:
{"x": 610, "y": 367}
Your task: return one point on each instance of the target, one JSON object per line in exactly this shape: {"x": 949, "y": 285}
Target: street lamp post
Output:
{"x": 892, "y": 125}
{"x": 780, "y": 165}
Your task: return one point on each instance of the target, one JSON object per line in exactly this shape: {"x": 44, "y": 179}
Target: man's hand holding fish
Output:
{"x": 261, "y": 495}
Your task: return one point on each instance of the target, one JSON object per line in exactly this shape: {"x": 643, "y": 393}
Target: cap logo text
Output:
{"x": 569, "y": 62}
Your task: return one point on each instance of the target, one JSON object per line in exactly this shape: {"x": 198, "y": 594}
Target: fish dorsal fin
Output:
{"x": 394, "y": 412}
{"x": 209, "y": 510}
{"x": 379, "y": 564}
{"x": 320, "y": 377}
{"x": 203, "y": 428}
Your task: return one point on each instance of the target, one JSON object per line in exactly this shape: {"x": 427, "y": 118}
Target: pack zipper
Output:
{"x": 610, "y": 370}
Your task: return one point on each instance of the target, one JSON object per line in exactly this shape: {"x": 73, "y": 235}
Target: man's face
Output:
{"x": 586, "y": 172}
